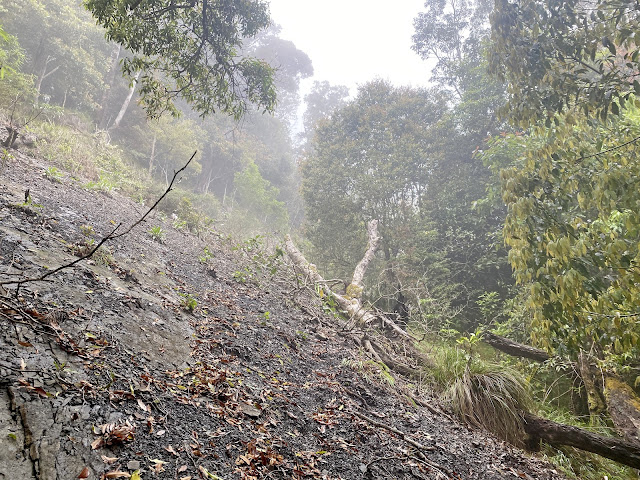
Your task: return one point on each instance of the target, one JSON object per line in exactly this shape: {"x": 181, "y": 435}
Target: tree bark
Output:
{"x": 354, "y": 290}
{"x": 557, "y": 434}
{"x": 514, "y": 348}
{"x": 595, "y": 397}
{"x": 101, "y": 114}
{"x": 153, "y": 152}
{"x": 624, "y": 407}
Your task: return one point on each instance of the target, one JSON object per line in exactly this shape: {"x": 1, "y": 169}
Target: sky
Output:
{"x": 353, "y": 41}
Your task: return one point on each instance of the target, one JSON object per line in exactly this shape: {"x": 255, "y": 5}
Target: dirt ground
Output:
{"x": 104, "y": 373}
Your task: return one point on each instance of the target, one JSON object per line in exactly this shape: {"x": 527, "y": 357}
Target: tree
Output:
{"x": 375, "y": 159}
{"x": 570, "y": 187}
{"x": 570, "y": 54}
{"x": 451, "y": 32}
{"x": 13, "y": 82}
{"x": 260, "y": 198}
{"x": 291, "y": 65}
{"x": 321, "y": 102}
{"x": 64, "y": 50}
{"x": 192, "y": 51}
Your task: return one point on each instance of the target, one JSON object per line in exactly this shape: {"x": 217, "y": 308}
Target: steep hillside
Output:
{"x": 106, "y": 373}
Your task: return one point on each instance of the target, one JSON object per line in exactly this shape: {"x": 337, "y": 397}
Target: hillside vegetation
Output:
{"x": 499, "y": 288}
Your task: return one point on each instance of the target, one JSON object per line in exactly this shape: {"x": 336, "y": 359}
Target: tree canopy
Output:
{"x": 558, "y": 54}
{"x": 191, "y": 50}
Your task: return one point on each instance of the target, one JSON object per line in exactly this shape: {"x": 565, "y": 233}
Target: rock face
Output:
{"x": 103, "y": 370}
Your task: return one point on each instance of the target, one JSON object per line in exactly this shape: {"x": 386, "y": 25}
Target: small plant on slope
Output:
{"x": 157, "y": 234}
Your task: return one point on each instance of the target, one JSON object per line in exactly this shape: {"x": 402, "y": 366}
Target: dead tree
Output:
{"x": 351, "y": 301}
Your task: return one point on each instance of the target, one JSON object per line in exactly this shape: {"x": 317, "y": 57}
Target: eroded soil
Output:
{"x": 103, "y": 372}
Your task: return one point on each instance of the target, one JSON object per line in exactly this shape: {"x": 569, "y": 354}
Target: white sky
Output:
{"x": 353, "y": 41}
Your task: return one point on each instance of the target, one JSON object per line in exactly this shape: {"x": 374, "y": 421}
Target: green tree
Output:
{"x": 260, "y": 198}
{"x": 321, "y": 102}
{"x": 556, "y": 55}
{"x": 192, "y": 51}
{"x": 64, "y": 50}
{"x": 374, "y": 159}
{"x": 573, "y": 230}
{"x": 291, "y": 65}
{"x": 13, "y": 82}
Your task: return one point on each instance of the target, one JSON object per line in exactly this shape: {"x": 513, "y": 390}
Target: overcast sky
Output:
{"x": 353, "y": 41}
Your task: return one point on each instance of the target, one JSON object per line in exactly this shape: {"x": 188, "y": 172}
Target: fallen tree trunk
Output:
{"x": 350, "y": 302}
{"x": 557, "y": 435}
{"x": 515, "y": 349}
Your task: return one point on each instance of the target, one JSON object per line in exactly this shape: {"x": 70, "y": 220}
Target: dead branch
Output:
{"x": 402, "y": 435}
{"x": 380, "y": 355}
{"x": 112, "y": 235}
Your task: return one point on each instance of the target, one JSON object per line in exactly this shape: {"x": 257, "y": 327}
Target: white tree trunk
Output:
{"x": 125, "y": 105}
{"x": 349, "y": 303}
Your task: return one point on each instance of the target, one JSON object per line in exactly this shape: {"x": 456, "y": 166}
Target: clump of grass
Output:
{"x": 53, "y": 174}
{"x": 188, "y": 302}
{"x": 481, "y": 393}
{"x": 157, "y": 234}
{"x": 491, "y": 396}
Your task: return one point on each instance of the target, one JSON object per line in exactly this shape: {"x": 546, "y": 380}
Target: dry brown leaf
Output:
{"x": 97, "y": 443}
{"x": 84, "y": 473}
{"x": 117, "y": 474}
{"x": 143, "y": 406}
{"x": 183, "y": 468}
{"x": 109, "y": 460}
{"x": 172, "y": 451}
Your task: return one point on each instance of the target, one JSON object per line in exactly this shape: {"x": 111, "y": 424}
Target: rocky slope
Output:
{"x": 104, "y": 373}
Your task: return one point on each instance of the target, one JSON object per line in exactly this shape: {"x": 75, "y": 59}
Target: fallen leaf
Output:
{"x": 25, "y": 344}
{"x": 158, "y": 465}
{"x": 143, "y": 406}
{"x": 183, "y": 468}
{"x": 84, "y": 473}
{"x": 41, "y": 392}
{"x": 136, "y": 475}
{"x": 117, "y": 474}
{"x": 172, "y": 451}
{"x": 185, "y": 478}
{"x": 109, "y": 460}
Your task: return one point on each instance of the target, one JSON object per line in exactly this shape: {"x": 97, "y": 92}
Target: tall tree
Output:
{"x": 571, "y": 187}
